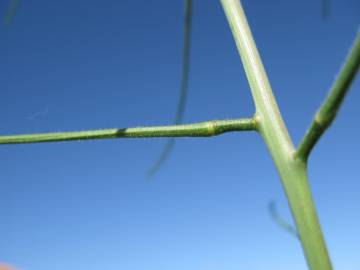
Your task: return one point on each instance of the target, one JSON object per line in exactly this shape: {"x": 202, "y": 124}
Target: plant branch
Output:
{"x": 202, "y": 129}
{"x": 271, "y": 123}
{"x": 327, "y": 112}
{"x": 184, "y": 85}
{"x": 293, "y": 172}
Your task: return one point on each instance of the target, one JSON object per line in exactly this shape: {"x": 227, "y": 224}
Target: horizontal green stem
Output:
{"x": 202, "y": 129}
{"x": 327, "y": 112}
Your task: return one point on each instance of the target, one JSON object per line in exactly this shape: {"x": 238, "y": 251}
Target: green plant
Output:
{"x": 291, "y": 162}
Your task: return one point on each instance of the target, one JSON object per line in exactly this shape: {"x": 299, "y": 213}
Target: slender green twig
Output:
{"x": 184, "y": 85}
{"x": 202, "y": 129}
{"x": 11, "y": 11}
{"x": 293, "y": 172}
{"x": 327, "y": 112}
{"x": 280, "y": 221}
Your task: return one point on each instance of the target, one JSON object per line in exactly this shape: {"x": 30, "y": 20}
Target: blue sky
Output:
{"x": 79, "y": 65}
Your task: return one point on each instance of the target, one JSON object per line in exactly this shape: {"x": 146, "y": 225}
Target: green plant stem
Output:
{"x": 327, "y": 112}
{"x": 184, "y": 86}
{"x": 202, "y": 129}
{"x": 293, "y": 172}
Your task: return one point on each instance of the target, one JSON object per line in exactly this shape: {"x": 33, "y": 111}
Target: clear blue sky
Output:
{"x": 77, "y": 65}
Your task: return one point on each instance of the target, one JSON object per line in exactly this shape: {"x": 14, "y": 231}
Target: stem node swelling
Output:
{"x": 202, "y": 129}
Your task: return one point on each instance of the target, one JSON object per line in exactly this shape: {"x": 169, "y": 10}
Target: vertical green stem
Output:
{"x": 293, "y": 172}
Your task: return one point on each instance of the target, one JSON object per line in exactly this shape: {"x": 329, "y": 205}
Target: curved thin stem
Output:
{"x": 327, "y": 112}
{"x": 325, "y": 9}
{"x": 280, "y": 221}
{"x": 184, "y": 85}
{"x": 165, "y": 153}
{"x": 202, "y": 129}
{"x": 11, "y": 11}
